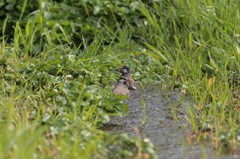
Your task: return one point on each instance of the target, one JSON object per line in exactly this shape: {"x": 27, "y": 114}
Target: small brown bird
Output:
{"x": 125, "y": 70}
{"x": 121, "y": 87}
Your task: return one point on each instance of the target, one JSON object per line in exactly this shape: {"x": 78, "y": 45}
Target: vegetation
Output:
{"x": 57, "y": 59}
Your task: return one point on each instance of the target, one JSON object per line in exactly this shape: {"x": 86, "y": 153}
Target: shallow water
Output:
{"x": 160, "y": 127}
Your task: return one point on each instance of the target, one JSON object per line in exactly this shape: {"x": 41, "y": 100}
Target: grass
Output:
{"x": 54, "y": 94}
{"x": 200, "y": 51}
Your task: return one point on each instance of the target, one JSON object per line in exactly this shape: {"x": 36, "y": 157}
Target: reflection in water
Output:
{"x": 160, "y": 127}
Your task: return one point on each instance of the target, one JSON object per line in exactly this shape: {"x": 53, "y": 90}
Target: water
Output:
{"x": 160, "y": 127}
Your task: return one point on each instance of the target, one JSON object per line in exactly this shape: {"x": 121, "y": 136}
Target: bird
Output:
{"x": 121, "y": 87}
{"x": 125, "y": 70}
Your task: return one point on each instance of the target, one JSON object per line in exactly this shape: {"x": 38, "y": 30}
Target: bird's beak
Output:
{"x": 118, "y": 67}
{"x": 130, "y": 79}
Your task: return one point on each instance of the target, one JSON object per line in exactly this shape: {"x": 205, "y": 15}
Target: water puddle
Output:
{"x": 160, "y": 127}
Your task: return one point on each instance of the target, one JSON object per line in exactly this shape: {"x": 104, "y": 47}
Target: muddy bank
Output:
{"x": 160, "y": 127}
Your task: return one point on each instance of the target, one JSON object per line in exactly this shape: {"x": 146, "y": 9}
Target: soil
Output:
{"x": 158, "y": 123}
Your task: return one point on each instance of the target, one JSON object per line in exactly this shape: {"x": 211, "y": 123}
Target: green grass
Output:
{"x": 55, "y": 94}
{"x": 197, "y": 44}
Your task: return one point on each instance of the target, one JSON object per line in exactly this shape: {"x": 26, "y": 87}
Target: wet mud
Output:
{"x": 166, "y": 133}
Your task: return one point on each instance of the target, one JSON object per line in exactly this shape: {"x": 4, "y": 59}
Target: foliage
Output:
{"x": 57, "y": 58}
{"x": 62, "y": 92}
{"x": 62, "y": 98}
{"x": 69, "y": 22}
{"x": 14, "y": 11}
{"x": 199, "y": 50}
{"x": 56, "y": 134}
